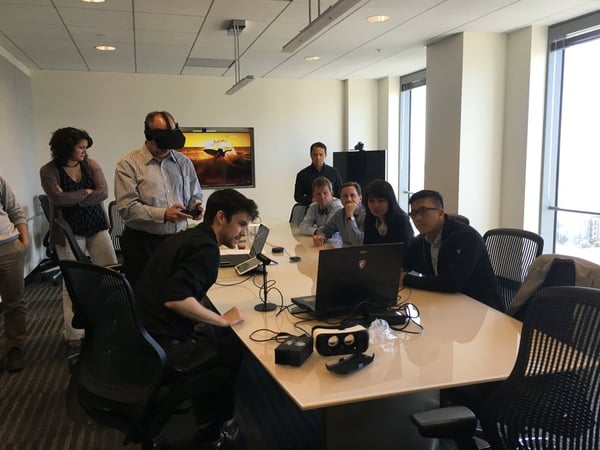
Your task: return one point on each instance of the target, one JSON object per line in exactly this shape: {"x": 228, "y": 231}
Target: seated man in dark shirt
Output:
{"x": 450, "y": 255}
{"x": 303, "y": 188}
{"x": 170, "y": 290}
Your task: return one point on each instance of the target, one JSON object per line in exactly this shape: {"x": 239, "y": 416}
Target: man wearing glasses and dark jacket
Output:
{"x": 450, "y": 255}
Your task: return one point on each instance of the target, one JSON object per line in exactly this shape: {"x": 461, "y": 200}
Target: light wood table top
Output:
{"x": 463, "y": 342}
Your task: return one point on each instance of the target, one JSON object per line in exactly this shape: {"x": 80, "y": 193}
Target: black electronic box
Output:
{"x": 294, "y": 350}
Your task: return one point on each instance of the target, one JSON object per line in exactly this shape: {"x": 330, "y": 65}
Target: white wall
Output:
{"x": 465, "y": 119}
{"x": 523, "y": 131}
{"x": 443, "y": 111}
{"x": 287, "y": 116}
{"x": 389, "y": 125}
{"x": 17, "y": 150}
{"x": 482, "y": 122}
{"x": 362, "y": 114}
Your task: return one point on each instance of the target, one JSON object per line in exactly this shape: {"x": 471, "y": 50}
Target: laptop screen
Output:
{"x": 259, "y": 241}
{"x": 350, "y": 276}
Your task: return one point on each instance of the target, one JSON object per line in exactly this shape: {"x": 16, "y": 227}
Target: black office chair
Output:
{"x": 116, "y": 228}
{"x": 459, "y": 217}
{"x": 77, "y": 251}
{"x": 79, "y": 254}
{"x": 297, "y": 214}
{"x": 122, "y": 378}
{"x": 511, "y": 252}
{"x": 48, "y": 267}
{"x": 551, "y": 400}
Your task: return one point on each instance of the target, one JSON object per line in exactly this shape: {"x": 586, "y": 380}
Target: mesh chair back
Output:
{"x": 79, "y": 254}
{"x": 511, "y": 252}
{"x": 49, "y": 265}
{"x": 297, "y": 214}
{"x": 552, "y": 397}
{"x": 119, "y": 360}
{"x": 116, "y": 226}
{"x": 45, "y": 204}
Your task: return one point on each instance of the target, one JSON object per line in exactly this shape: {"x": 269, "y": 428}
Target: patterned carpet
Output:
{"x": 33, "y": 409}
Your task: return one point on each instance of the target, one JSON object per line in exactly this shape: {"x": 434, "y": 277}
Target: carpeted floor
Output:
{"x": 33, "y": 412}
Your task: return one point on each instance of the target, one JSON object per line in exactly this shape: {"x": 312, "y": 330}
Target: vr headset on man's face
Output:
{"x": 167, "y": 139}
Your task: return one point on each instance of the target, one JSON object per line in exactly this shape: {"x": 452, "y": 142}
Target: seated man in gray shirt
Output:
{"x": 322, "y": 209}
{"x": 349, "y": 221}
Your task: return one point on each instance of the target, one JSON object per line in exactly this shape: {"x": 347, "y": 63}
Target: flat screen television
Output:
{"x": 361, "y": 166}
{"x": 222, "y": 157}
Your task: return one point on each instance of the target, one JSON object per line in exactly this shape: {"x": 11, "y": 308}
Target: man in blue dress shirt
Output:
{"x": 349, "y": 221}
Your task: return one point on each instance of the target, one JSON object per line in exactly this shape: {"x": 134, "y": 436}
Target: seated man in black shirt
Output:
{"x": 449, "y": 254}
{"x": 303, "y": 188}
{"x": 170, "y": 290}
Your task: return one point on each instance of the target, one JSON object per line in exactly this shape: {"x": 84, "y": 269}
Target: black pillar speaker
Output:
{"x": 361, "y": 166}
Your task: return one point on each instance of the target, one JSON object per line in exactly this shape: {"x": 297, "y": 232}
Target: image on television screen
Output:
{"x": 222, "y": 157}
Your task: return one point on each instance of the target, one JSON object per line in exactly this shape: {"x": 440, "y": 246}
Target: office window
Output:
{"x": 412, "y": 135}
{"x": 570, "y": 216}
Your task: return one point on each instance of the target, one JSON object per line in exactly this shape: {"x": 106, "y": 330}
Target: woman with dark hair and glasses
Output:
{"x": 76, "y": 188}
{"x": 385, "y": 221}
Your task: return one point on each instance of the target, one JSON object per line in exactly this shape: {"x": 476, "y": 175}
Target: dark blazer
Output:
{"x": 399, "y": 230}
{"x": 463, "y": 264}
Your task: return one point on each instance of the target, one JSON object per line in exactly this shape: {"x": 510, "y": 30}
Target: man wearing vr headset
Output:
{"x": 157, "y": 190}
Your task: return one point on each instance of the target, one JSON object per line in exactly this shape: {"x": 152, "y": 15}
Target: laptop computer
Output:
{"x": 351, "y": 277}
{"x": 234, "y": 259}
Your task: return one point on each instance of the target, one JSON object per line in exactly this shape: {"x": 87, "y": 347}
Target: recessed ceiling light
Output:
{"x": 375, "y": 19}
{"x": 93, "y": 1}
{"x": 105, "y": 48}
{"x": 312, "y": 58}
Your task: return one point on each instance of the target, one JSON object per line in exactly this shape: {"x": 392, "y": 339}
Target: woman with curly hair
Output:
{"x": 76, "y": 188}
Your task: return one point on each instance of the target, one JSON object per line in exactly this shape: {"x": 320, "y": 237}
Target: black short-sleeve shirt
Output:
{"x": 184, "y": 265}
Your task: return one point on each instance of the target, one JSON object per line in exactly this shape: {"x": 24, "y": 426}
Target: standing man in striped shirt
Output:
{"x": 157, "y": 191}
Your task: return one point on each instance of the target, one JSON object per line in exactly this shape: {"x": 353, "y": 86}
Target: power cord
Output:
{"x": 270, "y": 286}
{"x": 277, "y": 336}
{"x": 246, "y": 278}
{"x": 411, "y": 312}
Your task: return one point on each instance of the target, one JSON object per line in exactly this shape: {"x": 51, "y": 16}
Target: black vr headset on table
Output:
{"x": 171, "y": 138}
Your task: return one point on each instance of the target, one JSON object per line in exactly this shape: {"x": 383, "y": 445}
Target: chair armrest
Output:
{"x": 115, "y": 267}
{"x": 453, "y": 422}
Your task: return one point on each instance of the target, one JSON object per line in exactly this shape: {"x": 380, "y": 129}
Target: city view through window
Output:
{"x": 578, "y": 203}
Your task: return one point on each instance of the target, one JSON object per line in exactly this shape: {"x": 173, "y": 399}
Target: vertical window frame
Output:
{"x": 560, "y": 37}
{"x": 407, "y": 83}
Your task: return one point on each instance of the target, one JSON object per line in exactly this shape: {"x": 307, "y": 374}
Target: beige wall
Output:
{"x": 17, "y": 149}
{"x": 362, "y": 114}
{"x": 482, "y": 122}
{"x": 523, "y": 130}
{"x": 484, "y": 126}
{"x": 389, "y": 125}
{"x": 443, "y": 116}
{"x": 287, "y": 116}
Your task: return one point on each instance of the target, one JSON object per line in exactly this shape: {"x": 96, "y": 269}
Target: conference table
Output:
{"x": 463, "y": 342}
